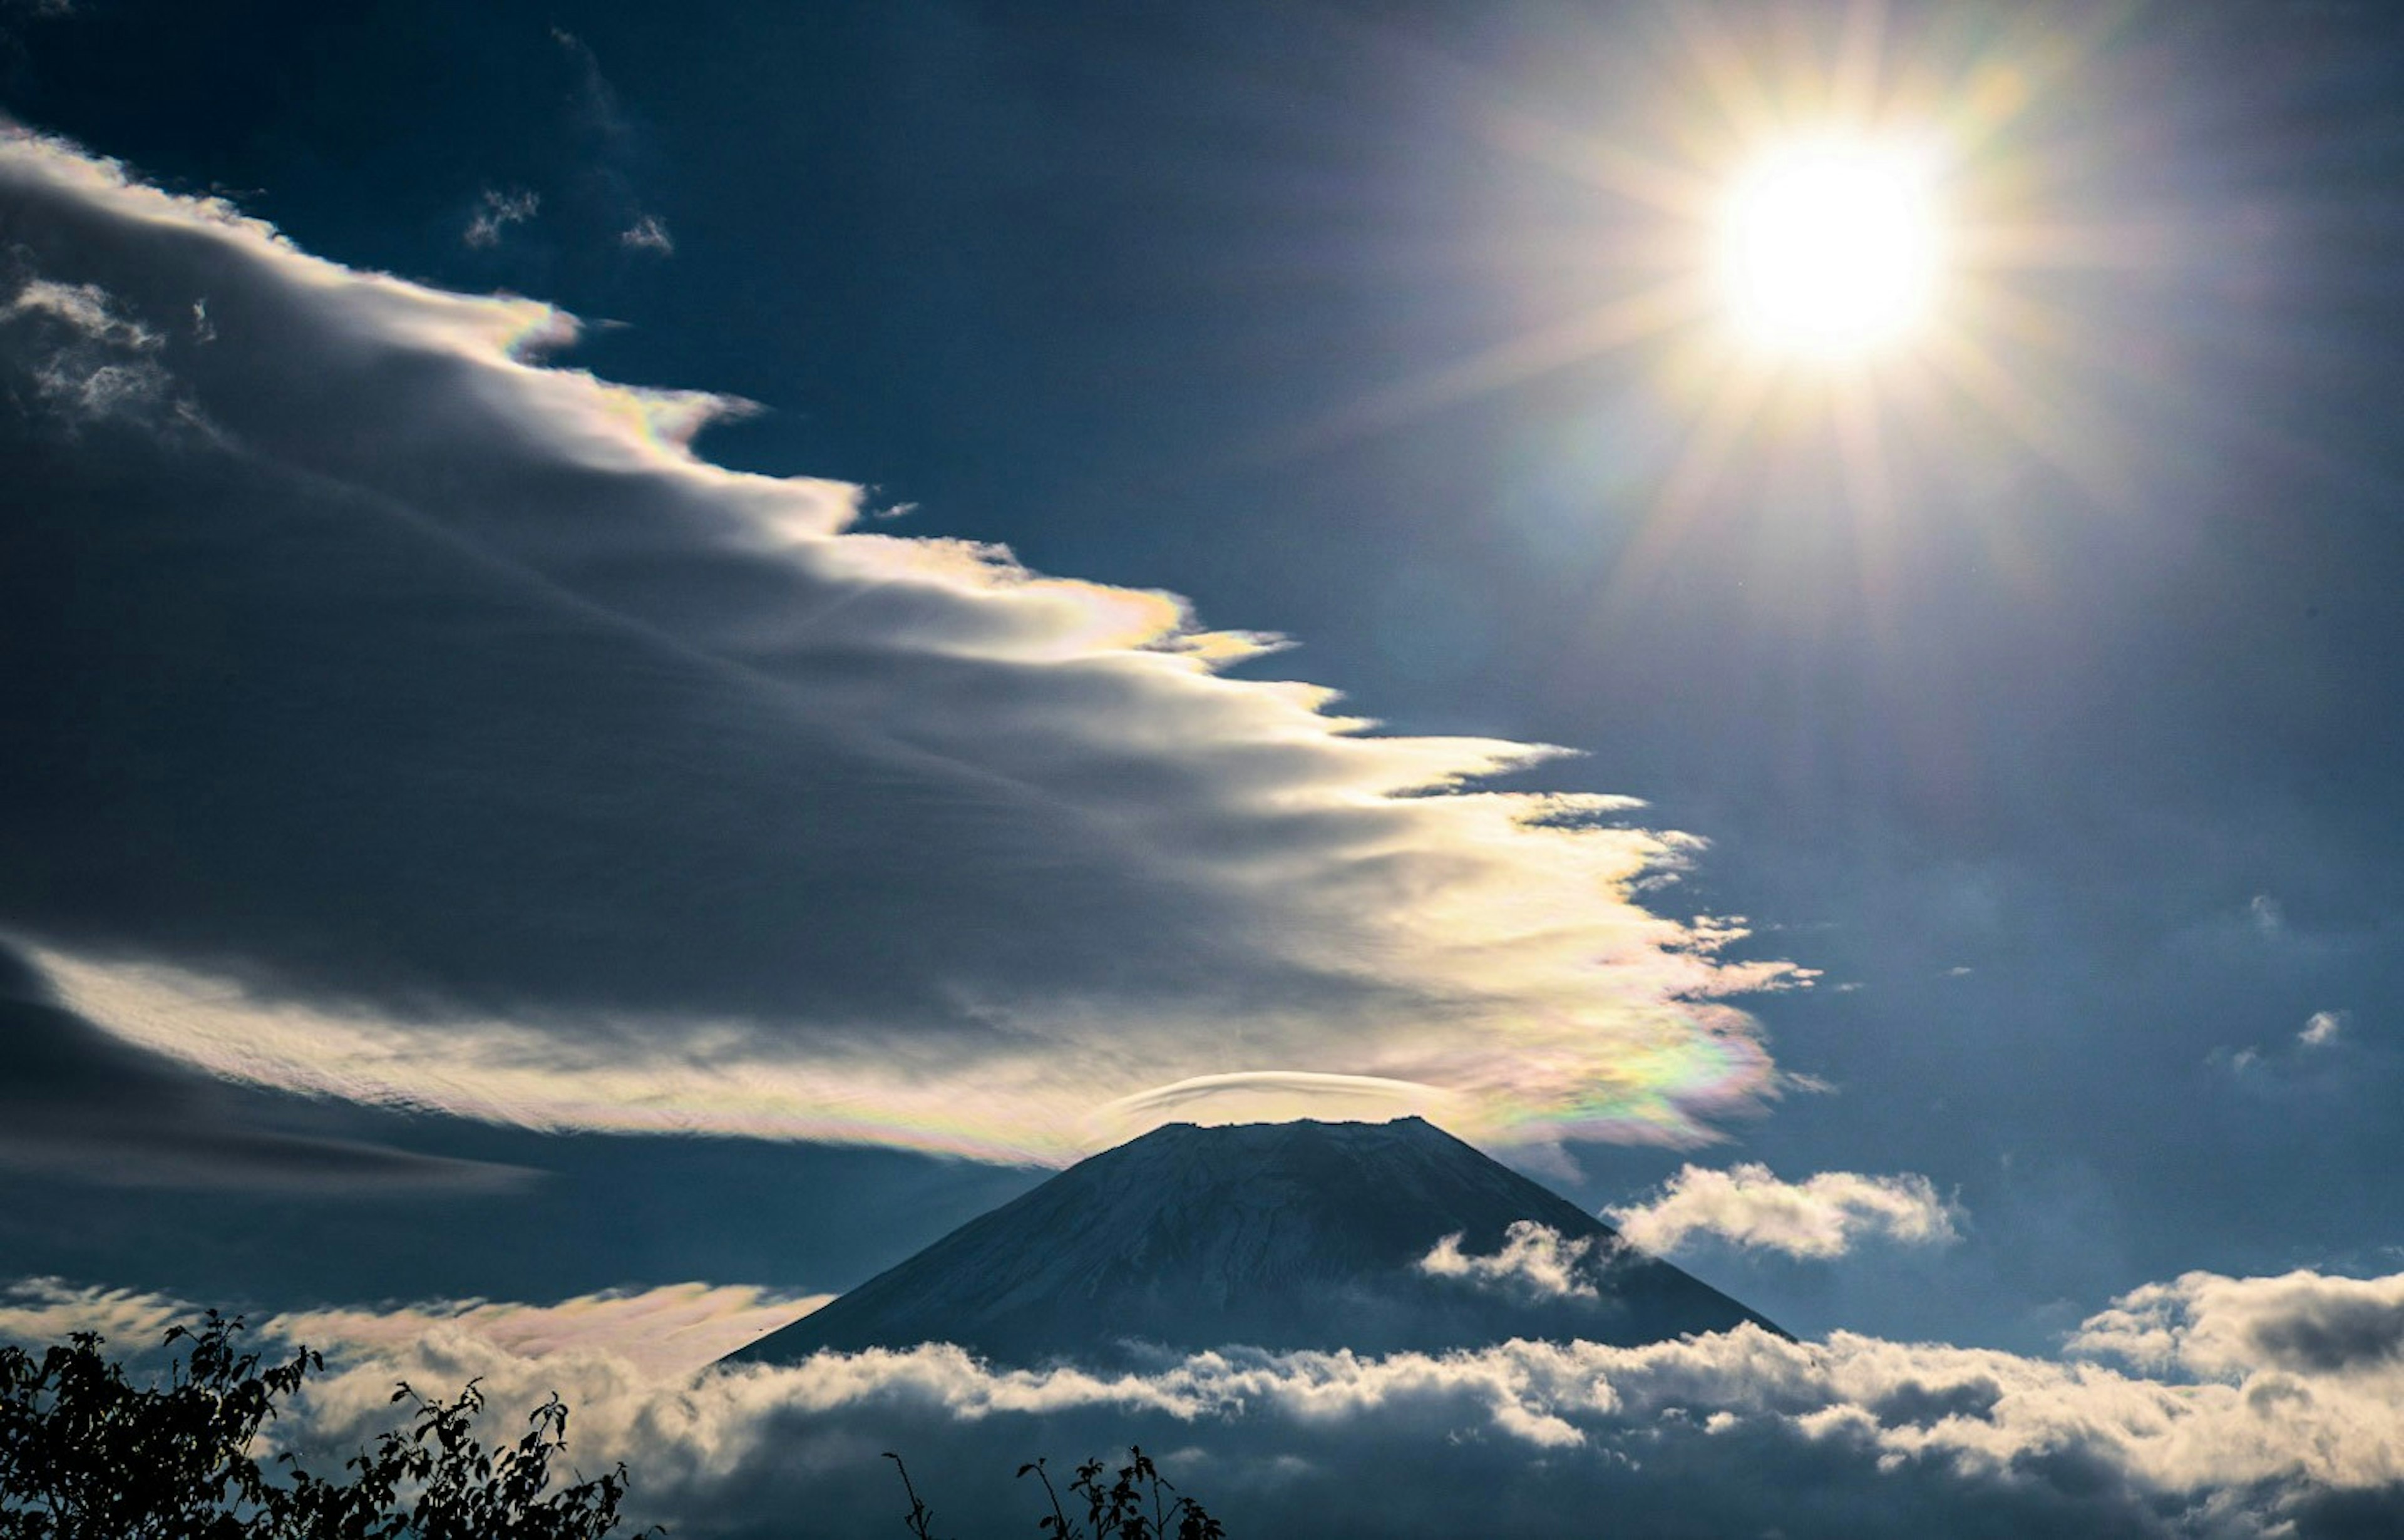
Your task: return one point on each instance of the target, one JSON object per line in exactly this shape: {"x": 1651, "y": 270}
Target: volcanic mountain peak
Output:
{"x": 1273, "y": 1234}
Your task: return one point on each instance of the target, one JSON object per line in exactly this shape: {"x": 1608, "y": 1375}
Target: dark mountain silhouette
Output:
{"x": 1272, "y": 1234}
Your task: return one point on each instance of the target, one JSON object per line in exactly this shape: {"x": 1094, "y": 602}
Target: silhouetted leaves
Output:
{"x": 88, "y": 1454}
{"x": 1138, "y": 1506}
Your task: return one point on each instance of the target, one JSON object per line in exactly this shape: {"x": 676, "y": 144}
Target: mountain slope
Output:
{"x": 1273, "y": 1235}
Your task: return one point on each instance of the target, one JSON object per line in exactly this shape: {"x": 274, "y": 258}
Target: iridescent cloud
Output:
{"x": 465, "y": 741}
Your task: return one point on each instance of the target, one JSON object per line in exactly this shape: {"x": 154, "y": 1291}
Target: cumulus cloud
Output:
{"x": 425, "y": 726}
{"x": 2232, "y": 1328}
{"x": 2239, "y": 1433}
{"x": 1535, "y": 1259}
{"x": 2322, "y": 1028}
{"x": 1822, "y": 1216}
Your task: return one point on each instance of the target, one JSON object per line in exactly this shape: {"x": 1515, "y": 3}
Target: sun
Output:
{"x": 1803, "y": 250}
{"x": 1829, "y": 249}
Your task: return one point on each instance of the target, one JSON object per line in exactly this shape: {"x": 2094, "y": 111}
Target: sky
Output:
{"x": 648, "y": 655}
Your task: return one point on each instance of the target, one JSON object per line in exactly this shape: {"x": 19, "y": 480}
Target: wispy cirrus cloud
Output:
{"x": 649, "y": 232}
{"x": 1823, "y": 1215}
{"x": 96, "y": 362}
{"x": 496, "y": 212}
{"x": 613, "y": 141}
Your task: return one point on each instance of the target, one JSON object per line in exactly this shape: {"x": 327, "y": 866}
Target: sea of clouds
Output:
{"x": 2206, "y": 1405}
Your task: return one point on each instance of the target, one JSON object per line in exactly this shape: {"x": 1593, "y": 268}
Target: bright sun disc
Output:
{"x": 1830, "y": 249}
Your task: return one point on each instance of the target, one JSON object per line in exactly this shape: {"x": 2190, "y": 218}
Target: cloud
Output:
{"x": 36, "y": 1311}
{"x": 2238, "y": 1060}
{"x": 2322, "y": 1028}
{"x": 2240, "y": 1432}
{"x": 94, "y": 362}
{"x": 1822, "y": 1216}
{"x": 2233, "y": 1328}
{"x": 77, "y": 1103}
{"x": 1536, "y": 1260}
{"x": 605, "y": 184}
{"x": 647, "y": 234}
{"x": 498, "y": 213}
{"x": 2311, "y": 1062}
{"x": 660, "y": 1334}
{"x": 418, "y": 725}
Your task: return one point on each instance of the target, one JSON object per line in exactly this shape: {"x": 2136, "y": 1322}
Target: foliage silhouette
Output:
{"x": 920, "y": 1516}
{"x": 88, "y": 1454}
{"x": 1115, "y": 1512}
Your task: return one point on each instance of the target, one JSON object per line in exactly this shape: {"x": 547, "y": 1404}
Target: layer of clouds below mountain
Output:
{"x": 388, "y": 717}
{"x": 2251, "y": 1419}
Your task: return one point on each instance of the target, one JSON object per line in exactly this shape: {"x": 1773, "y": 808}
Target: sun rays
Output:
{"x": 1841, "y": 243}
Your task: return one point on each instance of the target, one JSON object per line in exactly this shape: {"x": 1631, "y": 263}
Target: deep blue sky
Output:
{"x": 2080, "y": 796}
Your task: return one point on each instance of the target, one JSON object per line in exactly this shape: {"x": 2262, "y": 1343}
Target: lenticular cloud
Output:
{"x": 397, "y": 716}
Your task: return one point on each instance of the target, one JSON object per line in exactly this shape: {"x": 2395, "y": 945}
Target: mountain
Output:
{"x": 1273, "y": 1234}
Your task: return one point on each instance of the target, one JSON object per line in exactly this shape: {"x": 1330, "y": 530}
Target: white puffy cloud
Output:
{"x": 2250, "y": 1421}
{"x": 1535, "y": 1258}
{"x": 2300, "y": 1323}
{"x": 465, "y": 741}
{"x": 1820, "y": 1216}
{"x": 2322, "y": 1028}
